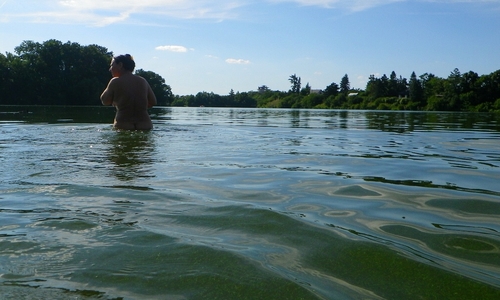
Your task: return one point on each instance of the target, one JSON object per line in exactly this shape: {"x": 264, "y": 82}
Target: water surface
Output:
{"x": 249, "y": 204}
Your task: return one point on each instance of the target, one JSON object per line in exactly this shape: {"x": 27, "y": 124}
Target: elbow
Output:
{"x": 151, "y": 102}
{"x": 106, "y": 101}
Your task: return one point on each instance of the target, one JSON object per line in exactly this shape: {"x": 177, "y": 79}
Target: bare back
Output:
{"x": 132, "y": 96}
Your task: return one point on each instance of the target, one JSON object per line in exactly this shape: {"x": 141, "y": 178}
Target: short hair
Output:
{"x": 127, "y": 60}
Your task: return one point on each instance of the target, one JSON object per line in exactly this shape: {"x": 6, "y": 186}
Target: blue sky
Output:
{"x": 216, "y": 46}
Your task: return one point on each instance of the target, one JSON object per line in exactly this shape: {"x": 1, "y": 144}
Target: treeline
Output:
{"x": 457, "y": 92}
{"x": 56, "y": 73}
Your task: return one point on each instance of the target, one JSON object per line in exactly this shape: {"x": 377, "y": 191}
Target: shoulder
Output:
{"x": 140, "y": 78}
{"x": 114, "y": 81}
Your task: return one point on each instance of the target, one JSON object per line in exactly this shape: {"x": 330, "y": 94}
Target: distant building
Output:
{"x": 352, "y": 94}
{"x": 316, "y": 91}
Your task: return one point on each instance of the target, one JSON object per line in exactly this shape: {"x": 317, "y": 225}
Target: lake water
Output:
{"x": 249, "y": 204}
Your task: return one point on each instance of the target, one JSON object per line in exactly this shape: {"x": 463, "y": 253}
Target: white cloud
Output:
{"x": 359, "y": 5}
{"x": 237, "y": 61}
{"x": 106, "y": 12}
{"x": 353, "y": 5}
{"x": 172, "y": 48}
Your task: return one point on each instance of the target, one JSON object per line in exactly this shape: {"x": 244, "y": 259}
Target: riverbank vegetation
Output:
{"x": 56, "y": 73}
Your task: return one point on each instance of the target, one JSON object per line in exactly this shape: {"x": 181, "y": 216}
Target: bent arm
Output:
{"x": 151, "y": 97}
{"x": 108, "y": 94}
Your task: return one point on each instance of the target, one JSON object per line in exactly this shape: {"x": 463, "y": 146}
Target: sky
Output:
{"x": 240, "y": 45}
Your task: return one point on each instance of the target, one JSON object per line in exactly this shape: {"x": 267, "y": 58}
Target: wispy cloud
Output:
{"x": 1, "y": 5}
{"x": 172, "y": 48}
{"x": 239, "y": 61}
{"x": 106, "y": 12}
{"x": 360, "y": 5}
{"x": 353, "y": 5}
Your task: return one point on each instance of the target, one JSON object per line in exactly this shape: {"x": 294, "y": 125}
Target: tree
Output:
{"x": 57, "y": 73}
{"x": 295, "y": 81}
{"x": 345, "y": 86}
{"x": 312, "y": 100}
{"x": 231, "y": 97}
{"x": 306, "y": 90}
{"x": 331, "y": 90}
{"x": 263, "y": 89}
{"x": 393, "y": 87}
{"x": 453, "y": 89}
{"x": 244, "y": 100}
{"x": 375, "y": 88}
{"x": 5, "y": 75}
{"x": 182, "y": 100}
{"x": 162, "y": 91}
{"x": 416, "y": 92}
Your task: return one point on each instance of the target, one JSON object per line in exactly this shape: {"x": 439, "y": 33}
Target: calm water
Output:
{"x": 249, "y": 204}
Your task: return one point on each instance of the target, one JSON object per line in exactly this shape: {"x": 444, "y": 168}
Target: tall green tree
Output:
{"x": 393, "y": 85}
{"x": 345, "y": 85}
{"x": 331, "y": 90}
{"x": 162, "y": 91}
{"x": 416, "y": 91}
{"x": 453, "y": 89}
{"x": 296, "y": 85}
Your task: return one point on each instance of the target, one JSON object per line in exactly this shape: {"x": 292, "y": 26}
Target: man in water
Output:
{"x": 130, "y": 94}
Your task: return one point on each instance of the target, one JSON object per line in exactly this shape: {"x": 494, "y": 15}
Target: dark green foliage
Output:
{"x": 331, "y": 90}
{"x": 458, "y": 92}
{"x": 56, "y": 73}
{"x": 415, "y": 90}
{"x": 345, "y": 85}
{"x": 295, "y": 82}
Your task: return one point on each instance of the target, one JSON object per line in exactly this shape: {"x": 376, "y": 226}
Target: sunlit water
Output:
{"x": 249, "y": 204}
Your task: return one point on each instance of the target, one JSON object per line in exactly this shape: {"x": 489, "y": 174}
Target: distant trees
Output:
{"x": 56, "y": 73}
{"x": 457, "y": 92}
{"x": 213, "y": 100}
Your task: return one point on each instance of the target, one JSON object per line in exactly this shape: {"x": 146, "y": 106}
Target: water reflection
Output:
{"x": 131, "y": 154}
{"x": 390, "y": 121}
{"x": 297, "y": 203}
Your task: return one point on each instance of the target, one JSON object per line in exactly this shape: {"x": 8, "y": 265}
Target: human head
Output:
{"x": 127, "y": 61}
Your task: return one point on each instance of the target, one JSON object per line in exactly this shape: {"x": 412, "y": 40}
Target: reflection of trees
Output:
{"x": 427, "y": 184}
{"x": 131, "y": 153}
{"x": 411, "y": 121}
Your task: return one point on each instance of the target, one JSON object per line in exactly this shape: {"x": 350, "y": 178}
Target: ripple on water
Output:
{"x": 356, "y": 191}
{"x": 288, "y": 204}
{"x": 466, "y": 206}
